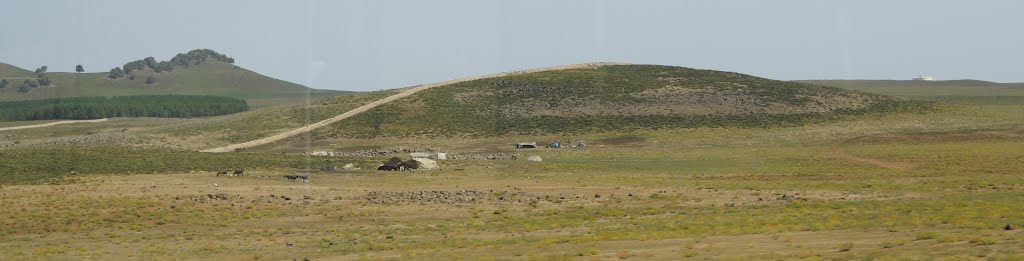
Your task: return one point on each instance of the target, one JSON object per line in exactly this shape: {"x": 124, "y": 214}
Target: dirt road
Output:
{"x": 839, "y": 149}
{"x": 50, "y": 124}
{"x": 403, "y": 94}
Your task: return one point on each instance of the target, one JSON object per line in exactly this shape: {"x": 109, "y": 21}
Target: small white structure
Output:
{"x": 349, "y": 166}
{"x": 442, "y": 156}
{"x": 535, "y": 158}
{"x": 924, "y": 78}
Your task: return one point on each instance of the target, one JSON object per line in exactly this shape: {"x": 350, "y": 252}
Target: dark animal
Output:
{"x": 1008, "y": 227}
{"x": 297, "y": 177}
{"x": 238, "y": 173}
{"x": 222, "y": 173}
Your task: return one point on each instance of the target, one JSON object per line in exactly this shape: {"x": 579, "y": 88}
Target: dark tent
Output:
{"x": 392, "y": 164}
{"x": 411, "y": 164}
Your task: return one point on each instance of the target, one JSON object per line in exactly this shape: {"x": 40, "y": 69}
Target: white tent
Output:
{"x": 426, "y": 163}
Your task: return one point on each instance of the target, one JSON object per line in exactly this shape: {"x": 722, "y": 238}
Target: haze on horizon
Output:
{"x": 371, "y": 45}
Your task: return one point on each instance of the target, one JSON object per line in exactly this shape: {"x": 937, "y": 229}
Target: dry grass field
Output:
{"x": 937, "y": 185}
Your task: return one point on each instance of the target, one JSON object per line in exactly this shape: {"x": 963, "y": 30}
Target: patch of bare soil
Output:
{"x": 839, "y": 150}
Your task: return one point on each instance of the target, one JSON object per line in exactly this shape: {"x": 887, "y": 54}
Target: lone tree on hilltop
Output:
{"x": 79, "y": 68}
{"x": 41, "y": 70}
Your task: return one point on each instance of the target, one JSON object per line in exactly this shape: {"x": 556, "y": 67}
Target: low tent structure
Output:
{"x": 393, "y": 164}
{"x": 526, "y": 145}
{"x": 425, "y": 164}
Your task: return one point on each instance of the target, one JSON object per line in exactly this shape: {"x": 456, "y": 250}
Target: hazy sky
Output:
{"x": 370, "y": 45}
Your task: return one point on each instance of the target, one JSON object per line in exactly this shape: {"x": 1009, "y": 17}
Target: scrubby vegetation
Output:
{"x": 789, "y": 192}
{"x": 167, "y": 106}
{"x": 618, "y": 97}
{"x": 40, "y": 165}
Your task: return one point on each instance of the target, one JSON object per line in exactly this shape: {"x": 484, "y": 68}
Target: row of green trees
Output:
{"x": 194, "y": 57}
{"x": 79, "y": 108}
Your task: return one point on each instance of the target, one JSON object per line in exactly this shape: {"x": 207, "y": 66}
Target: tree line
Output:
{"x": 194, "y": 57}
{"x": 80, "y": 108}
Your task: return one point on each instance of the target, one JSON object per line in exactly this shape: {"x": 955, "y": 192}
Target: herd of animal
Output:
{"x": 241, "y": 173}
{"x": 229, "y": 173}
{"x": 297, "y": 178}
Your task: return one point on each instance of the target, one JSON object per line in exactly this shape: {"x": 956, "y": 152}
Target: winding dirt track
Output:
{"x": 50, "y": 124}
{"x": 839, "y": 150}
{"x": 364, "y": 108}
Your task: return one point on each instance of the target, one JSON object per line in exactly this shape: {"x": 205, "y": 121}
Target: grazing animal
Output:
{"x": 297, "y": 177}
{"x": 222, "y": 173}
{"x": 238, "y": 173}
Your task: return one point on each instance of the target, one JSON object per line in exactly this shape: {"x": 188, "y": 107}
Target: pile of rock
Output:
{"x": 496, "y": 156}
{"x": 446, "y": 197}
{"x": 372, "y": 152}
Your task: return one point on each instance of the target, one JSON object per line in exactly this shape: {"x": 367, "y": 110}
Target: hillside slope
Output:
{"x": 397, "y": 95}
{"x": 608, "y": 98}
{"x": 11, "y": 71}
{"x": 209, "y": 77}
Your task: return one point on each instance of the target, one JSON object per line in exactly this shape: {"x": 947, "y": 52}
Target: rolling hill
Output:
{"x": 609, "y": 98}
{"x": 205, "y": 76}
{"x": 11, "y": 71}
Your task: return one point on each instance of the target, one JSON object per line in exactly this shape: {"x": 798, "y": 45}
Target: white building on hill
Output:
{"x": 924, "y": 78}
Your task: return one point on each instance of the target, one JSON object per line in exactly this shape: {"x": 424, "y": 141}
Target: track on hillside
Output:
{"x": 51, "y": 124}
{"x": 406, "y": 93}
{"x": 839, "y": 150}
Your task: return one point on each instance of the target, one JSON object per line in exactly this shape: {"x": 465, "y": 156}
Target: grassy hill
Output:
{"x": 610, "y": 98}
{"x": 210, "y": 77}
{"x": 7, "y": 70}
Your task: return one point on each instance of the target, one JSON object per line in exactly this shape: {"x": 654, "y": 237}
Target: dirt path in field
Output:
{"x": 50, "y": 124}
{"x": 364, "y": 108}
{"x": 839, "y": 150}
